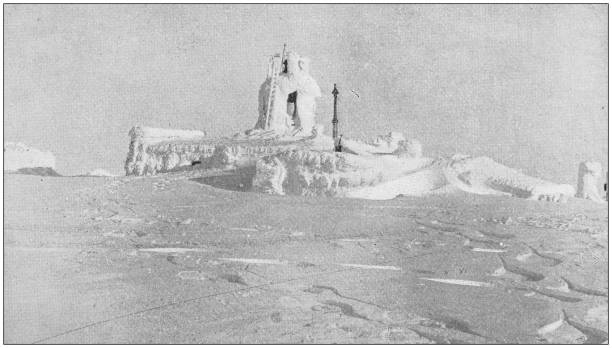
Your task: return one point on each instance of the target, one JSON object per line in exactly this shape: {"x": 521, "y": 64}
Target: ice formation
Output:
{"x": 289, "y": 153}
{"x": 482, "y": 175}
{"x": 589, "y": 174}
{"x": 18, "y": 156}
{"x": 387, "y": 176}
{"x": 154, "y": 150}
{"x": 393, "y": 143}
{"x": 151, "y": 155}
{"x": 234, "y": 153}
{"x": 287, "y": 107}
{"x": 287, "y": 98}
{"x": 312, "y": 173}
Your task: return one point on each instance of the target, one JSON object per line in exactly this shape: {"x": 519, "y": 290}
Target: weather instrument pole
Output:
{"x": 337, "y": 145}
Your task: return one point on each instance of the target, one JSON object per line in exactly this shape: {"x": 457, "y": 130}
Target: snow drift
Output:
{"x": 310, "y": 173}
{"x": 20, "y": 158}
{"x": 384, "y": 168}
{"x": 589, "y": 173}
{"x": 482, "y": 175}
{"x": 99, "y": 172}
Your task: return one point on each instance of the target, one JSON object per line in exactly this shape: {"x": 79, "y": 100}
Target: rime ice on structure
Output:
{"x": 310, "y": 173}
{"x": 589, "y": 174}
{"x": 291, "y": 155}
{"x": 316, "y": 173}
{"x": 287, "y": 98}
{"x": 157, "y": 150}
{"x": 289, "y": 124}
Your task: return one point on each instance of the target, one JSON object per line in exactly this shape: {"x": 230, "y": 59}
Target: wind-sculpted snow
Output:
{"x": 314, "y": 173}
{"x": 19, "y": 157}
{"x": 393, "y": 143}
{"x": 482, "y": 175}
{"x": 589, "y": 174}
{"x": 99, "y": 172}
{"x": 311, "y": 173}
{"x": 306, "y": 166}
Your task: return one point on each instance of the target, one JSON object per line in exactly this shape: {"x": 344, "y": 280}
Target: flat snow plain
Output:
{"x": 178, "y": 258}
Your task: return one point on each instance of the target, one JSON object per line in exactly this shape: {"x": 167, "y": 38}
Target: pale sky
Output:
{"x": 523, "y": 84}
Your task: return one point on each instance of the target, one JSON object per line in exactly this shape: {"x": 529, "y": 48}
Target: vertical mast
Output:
{"x": 335, "y": 118}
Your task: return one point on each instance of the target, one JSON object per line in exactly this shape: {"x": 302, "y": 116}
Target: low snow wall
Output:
{"x": 154, "y": 150}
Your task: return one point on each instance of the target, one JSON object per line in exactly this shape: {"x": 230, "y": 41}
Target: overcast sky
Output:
{"x": 523, "y": 84}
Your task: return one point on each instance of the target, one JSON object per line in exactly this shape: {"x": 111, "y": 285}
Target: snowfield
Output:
{"x": 190, "y": 257}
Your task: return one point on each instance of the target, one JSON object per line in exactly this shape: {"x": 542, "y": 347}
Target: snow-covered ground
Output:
{"x": 452, "y": 251}
{"x": 99, "y": 172}
{"x": 179, "y": 258}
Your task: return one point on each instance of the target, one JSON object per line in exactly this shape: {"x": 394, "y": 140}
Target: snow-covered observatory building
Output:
{"x": 289, "y": 152}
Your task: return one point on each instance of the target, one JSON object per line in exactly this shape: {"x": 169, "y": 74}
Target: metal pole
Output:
{"x": 335, "y": 118}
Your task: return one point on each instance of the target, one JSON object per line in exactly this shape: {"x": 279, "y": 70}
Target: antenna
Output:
{"x": 337, "y": 146}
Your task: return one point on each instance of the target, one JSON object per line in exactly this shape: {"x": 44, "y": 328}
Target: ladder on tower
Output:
{"x": 274, "y": 69}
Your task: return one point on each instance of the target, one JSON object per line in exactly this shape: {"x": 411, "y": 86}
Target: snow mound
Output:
{"x": 589, "y": 173}
{"x": 315, "y": 173}
{"x": 482, "y": 175}
{"x": 18, "y": 156}
{"x": 427, "y": 180}
{"x": 393, "y": 143}
{"x": 99, "y": 172}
